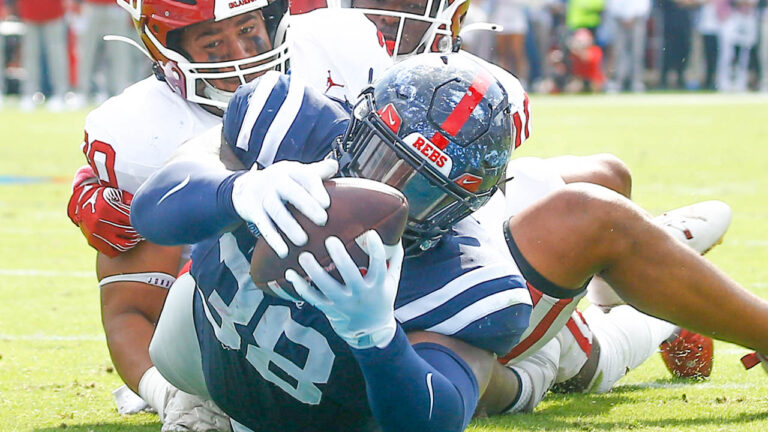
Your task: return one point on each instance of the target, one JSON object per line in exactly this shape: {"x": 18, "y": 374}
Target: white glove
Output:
{"x": 259, "y": 197}
{"x": 362, "y": 310}
{"x": 186, "y": 412}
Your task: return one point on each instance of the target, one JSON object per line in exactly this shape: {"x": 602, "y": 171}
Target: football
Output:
{"x": 357, "y": 205}
{"x": 689, "y": 355}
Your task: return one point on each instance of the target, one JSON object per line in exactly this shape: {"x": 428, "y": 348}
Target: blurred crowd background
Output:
{"x": 627, "y": 45}
{"x": 52, "y": 52}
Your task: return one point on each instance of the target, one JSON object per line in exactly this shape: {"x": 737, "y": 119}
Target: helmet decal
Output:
{"x": 391, "y": 117}
{"x": 431, "y": 153}
{"x": 224, "y": 9}
{"x": 460, "y": 114}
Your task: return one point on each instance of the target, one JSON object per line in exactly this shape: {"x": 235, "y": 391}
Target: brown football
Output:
{"x": 357, "y": 205}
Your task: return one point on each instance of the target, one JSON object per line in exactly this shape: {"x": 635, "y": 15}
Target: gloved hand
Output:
{"x": 259, "y": 197}
{"x": 186, "y": 412}
{"x": 102, "y": 213}
{"x": 361, "y": 311}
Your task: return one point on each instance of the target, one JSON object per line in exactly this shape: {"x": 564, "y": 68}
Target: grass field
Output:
{"x": 55, "y": 371}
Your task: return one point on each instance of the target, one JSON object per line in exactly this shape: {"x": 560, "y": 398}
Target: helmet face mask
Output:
{"x": 415, "y": 26}
{"x": 403, "y": 133}
{"x": 254, "y": 30}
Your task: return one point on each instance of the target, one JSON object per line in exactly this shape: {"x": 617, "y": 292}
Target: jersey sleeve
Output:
{"x": 277, "y": 117}
{"x": 464, "y": 288}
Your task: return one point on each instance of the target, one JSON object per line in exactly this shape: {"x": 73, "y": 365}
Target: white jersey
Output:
{"x": 334, "y": 50}
{"x": 133, "y": 134}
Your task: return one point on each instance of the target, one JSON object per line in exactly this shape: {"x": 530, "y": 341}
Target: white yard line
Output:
{"x": 652, "y": 99}
{"x": 38, "y": 337}
{"x": 695, "y": 386}
{"x": 47, "y": 273}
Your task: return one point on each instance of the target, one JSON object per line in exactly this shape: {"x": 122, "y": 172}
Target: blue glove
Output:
{"x": 361, "y": 311}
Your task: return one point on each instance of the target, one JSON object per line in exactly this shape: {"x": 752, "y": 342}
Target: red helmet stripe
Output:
{"x": 467, "y": 104}
{"x": 439, "y": 140}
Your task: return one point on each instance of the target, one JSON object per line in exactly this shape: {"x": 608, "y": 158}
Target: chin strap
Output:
{"x": 130, "y": 42}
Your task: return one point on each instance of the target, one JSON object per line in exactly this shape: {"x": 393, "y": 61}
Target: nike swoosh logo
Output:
{"x": 431, "y": 394}
{"x": 391, "y": 120}
{"x": 468, "y": 181}
{"x": 175, "y": 189}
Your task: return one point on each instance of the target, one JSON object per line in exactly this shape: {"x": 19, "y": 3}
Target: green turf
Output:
{"x": 55, "y": 371}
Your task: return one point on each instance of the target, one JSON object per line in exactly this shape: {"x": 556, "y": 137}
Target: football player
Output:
{"x": 628, "y": 337}
{"x": 201, "y": 53}
{"x": 380, "y": 149}
{"x": 277, "y": 363}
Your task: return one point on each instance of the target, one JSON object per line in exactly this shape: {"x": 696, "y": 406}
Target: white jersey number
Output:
{"x": 274, "y": 322}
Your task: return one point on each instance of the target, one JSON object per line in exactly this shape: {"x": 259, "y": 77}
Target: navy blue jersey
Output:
{"x": 272, "y": 364}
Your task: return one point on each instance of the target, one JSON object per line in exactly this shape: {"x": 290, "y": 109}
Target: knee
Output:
{"x": 594, "y": 211}
{"x": 615, "y": 173}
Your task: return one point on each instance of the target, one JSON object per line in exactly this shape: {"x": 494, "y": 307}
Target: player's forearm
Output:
{"x": 422, "y": 388}
{"x": 184, "y": 203}
{"x": 128, "y": 337}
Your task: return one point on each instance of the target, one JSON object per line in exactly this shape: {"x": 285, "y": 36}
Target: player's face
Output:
{"x": 413, "y": 30}
{"x": 236, "y": 38}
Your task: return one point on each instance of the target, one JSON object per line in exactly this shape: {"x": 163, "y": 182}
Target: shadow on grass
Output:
{"x": 584, "y": 412}
{"x": 545, "y": 421}
{"x": 103, "y": 427}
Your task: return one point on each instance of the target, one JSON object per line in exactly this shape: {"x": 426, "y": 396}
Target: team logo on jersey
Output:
{"x": 389, "y": 115}
{"x": 224, "y": 9}
{"x": 331, "y": 83}
{"x": 469, "y": 182}
{"x": 429, "y": 152}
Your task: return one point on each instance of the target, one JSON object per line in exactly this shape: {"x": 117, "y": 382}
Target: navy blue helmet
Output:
{"x": 438, "y": 128}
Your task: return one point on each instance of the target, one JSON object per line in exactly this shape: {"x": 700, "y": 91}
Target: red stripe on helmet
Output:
{"x": 467, "y": 104}
{"x": 439, "y": 140}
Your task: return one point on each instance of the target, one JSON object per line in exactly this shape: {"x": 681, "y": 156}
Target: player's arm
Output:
{"x": 431, "y": 383}
{"x": 133, "y": 288}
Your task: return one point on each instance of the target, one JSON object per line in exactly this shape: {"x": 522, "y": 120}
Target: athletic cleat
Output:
{"x": 753, "y": 359}
{"x": 688, "y": 354}
{"x": 701, "y": 226}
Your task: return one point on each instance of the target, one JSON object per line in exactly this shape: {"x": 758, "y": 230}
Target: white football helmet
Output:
{"x": 413, "y": 26}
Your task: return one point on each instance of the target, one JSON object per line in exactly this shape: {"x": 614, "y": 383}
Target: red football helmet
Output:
{"x": 157, "y": 20}
{"x": 414, "y": 26}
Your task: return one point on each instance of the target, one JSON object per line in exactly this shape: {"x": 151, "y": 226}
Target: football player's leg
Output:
{"x": 582, "y": 230}
{"x": 531, "y": 178}
{"x": 174, "y": 349}
{"x": 622, "y": 340}
{"x": 176, "y": 355}
{"x": 700, "y": 226}
{"x": 519, "y": 387}
{"x": 603, "y": 169}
